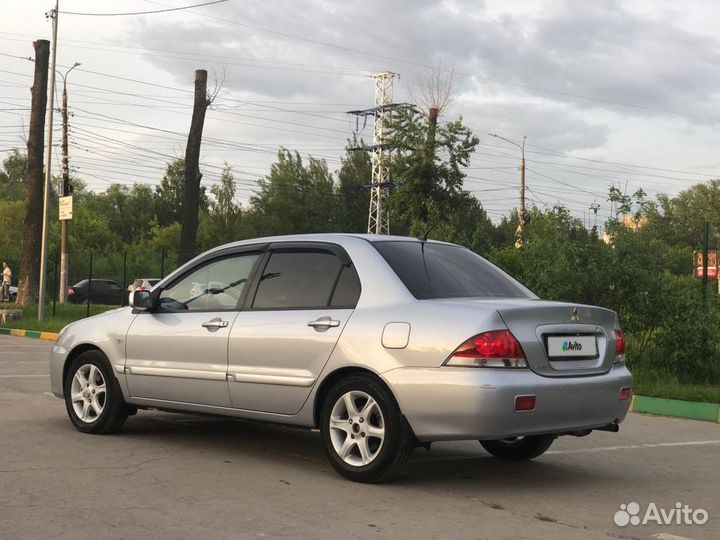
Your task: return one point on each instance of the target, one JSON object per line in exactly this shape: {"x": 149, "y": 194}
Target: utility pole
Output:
{"x": 64, "y": 190}
{"x": 191, "y": 194}
{"x": 378, "y": 218}
{"x": 523, "y": 214}
{"x": 28, "y": 282}
{"x": 48, "y": 167}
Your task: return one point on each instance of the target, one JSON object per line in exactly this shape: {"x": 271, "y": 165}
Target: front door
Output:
{"x": 280, "y": 343}
{"x": 179, "y": 352}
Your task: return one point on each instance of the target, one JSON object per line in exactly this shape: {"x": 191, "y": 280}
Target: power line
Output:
{"x": 142, "y": 12}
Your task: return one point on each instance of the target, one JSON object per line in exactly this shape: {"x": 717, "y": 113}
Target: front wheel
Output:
{"x": 93, "y": 397}
{"x": 362, "y": 430}
{"x": 519, "y": 448}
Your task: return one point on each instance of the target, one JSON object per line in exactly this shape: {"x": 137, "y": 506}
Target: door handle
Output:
{"x": 215, "y": 323}
{"x": 324, "y": 322}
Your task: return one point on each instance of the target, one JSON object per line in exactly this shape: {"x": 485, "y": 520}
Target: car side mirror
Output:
{"x": 140, "y": 300}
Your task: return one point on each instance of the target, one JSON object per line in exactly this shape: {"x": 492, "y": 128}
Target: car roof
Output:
{"x": 326, "y": 237}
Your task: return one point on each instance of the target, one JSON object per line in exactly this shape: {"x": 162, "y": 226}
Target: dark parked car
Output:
{"x": 102, "y": 291}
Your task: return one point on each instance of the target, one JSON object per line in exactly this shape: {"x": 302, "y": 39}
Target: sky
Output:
{"x": 606, "y": 92}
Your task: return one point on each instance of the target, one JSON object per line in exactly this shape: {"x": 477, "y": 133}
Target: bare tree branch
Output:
{"x": 435, "y": 89}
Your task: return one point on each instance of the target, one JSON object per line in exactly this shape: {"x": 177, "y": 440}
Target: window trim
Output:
{"x": 322, "y": 247}
{"x": 210, "y": 258}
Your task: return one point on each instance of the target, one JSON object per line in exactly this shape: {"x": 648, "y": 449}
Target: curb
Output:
{"x": 47, "y": 336}
{"x": 708, "y": 412}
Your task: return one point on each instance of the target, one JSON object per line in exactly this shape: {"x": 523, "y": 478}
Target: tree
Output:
{"x": 169, "y": 194}
{"x": 223, "y": 206}
{"x": 430, "y": 175}
{"x": 29, "y": 281}
{"x": 294, "y": 197}
{"x": 679, "y": 220}
{"x": 13, "y": 177}
{"x": 128, "y": 211}
{"x": 221, "y": 223}
{"x": 353, "y": 196}
{"x": 191, "y": 203}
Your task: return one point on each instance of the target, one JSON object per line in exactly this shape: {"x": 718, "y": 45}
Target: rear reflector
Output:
{"x": 625, "y": 393}
{"x": 524, "y": 403}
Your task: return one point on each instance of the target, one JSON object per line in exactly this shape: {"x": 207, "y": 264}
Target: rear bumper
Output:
{"x": 474, "y": 403}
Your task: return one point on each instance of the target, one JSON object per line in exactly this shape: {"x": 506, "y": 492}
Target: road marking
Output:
{"x": 665, "y": 536}
{"x": 20, "y": 376}
{"x": 632, "y": 447}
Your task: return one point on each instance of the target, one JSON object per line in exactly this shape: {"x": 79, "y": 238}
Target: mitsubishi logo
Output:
{"x": 575, "y": 317}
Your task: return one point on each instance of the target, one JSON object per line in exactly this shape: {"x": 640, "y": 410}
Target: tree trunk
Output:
{"x": 32, "y": 232}
{"x": 191, "y": 195}
{"x": 432, "y": 129}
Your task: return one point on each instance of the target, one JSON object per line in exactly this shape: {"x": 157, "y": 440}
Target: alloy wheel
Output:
{"x": 88, "y": 393}
{"x": 357, "y": 428}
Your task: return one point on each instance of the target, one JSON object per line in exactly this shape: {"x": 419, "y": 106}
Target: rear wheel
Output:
{"x": 519, "y": 448}
{"x": 93, "y": 397}
{"x": 362, "y": 430}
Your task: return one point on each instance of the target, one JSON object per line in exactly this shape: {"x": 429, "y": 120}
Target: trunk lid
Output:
{"x": 537, "y": 322}
{"x": 550, "y": 333}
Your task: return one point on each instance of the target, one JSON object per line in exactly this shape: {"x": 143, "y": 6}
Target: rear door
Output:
{"x": 278, "y": 346}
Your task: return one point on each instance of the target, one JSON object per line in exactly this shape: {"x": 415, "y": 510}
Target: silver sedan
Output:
{"x": 383, "y": 343}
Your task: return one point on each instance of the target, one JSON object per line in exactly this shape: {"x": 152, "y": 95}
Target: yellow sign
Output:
{"x": 66, "y": 208}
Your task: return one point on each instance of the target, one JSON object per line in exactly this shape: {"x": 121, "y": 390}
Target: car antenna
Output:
{"x": 424, "y": 236}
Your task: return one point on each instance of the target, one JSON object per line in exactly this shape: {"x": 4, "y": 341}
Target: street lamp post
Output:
{"x": 523, "y": 215}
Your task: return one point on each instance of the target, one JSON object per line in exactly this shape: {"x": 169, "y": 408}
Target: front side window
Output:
{"x": 433, "y": 270}
{"x": 216, "y": 286}
{"x": 297, "y": 279}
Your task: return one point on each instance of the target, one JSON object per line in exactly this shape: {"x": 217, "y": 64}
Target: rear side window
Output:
{"x": 347, "y": 290}
{"x": 431, "y": 270}
{"x": 297, "y": 279}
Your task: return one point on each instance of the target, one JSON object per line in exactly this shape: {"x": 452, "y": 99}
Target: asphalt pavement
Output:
{"x": 179, "y": 476}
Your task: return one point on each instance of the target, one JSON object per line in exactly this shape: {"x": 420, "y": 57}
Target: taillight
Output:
{"x": 498, "y": 348}
{"x": 70, "y": 292}
{"x": 625, "y": 393}
{"x": 619, "y": 346}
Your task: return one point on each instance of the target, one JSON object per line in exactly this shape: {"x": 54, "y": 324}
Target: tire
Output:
{"x": 95, "y": 405}
{"x": 520, "y": 448}
{"x": 383, "y": 434}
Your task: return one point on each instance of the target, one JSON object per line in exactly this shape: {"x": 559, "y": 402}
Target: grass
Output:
{"x": 64, "y": 315}
{"x": 545, "y": 517}
{"x": 663, "y": 385}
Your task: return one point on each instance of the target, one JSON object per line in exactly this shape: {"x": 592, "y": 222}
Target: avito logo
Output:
{"x": 681, "y": 514}
{"x": 571, "y": 346}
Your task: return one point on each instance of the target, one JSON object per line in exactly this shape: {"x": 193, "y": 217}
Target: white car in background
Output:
{"x": 143, "y": 284}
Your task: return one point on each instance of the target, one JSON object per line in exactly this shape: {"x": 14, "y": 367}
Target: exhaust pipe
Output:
{"x": 614, "y": 427}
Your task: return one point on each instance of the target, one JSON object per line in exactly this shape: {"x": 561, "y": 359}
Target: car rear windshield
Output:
{"x": 431, "y": 270}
